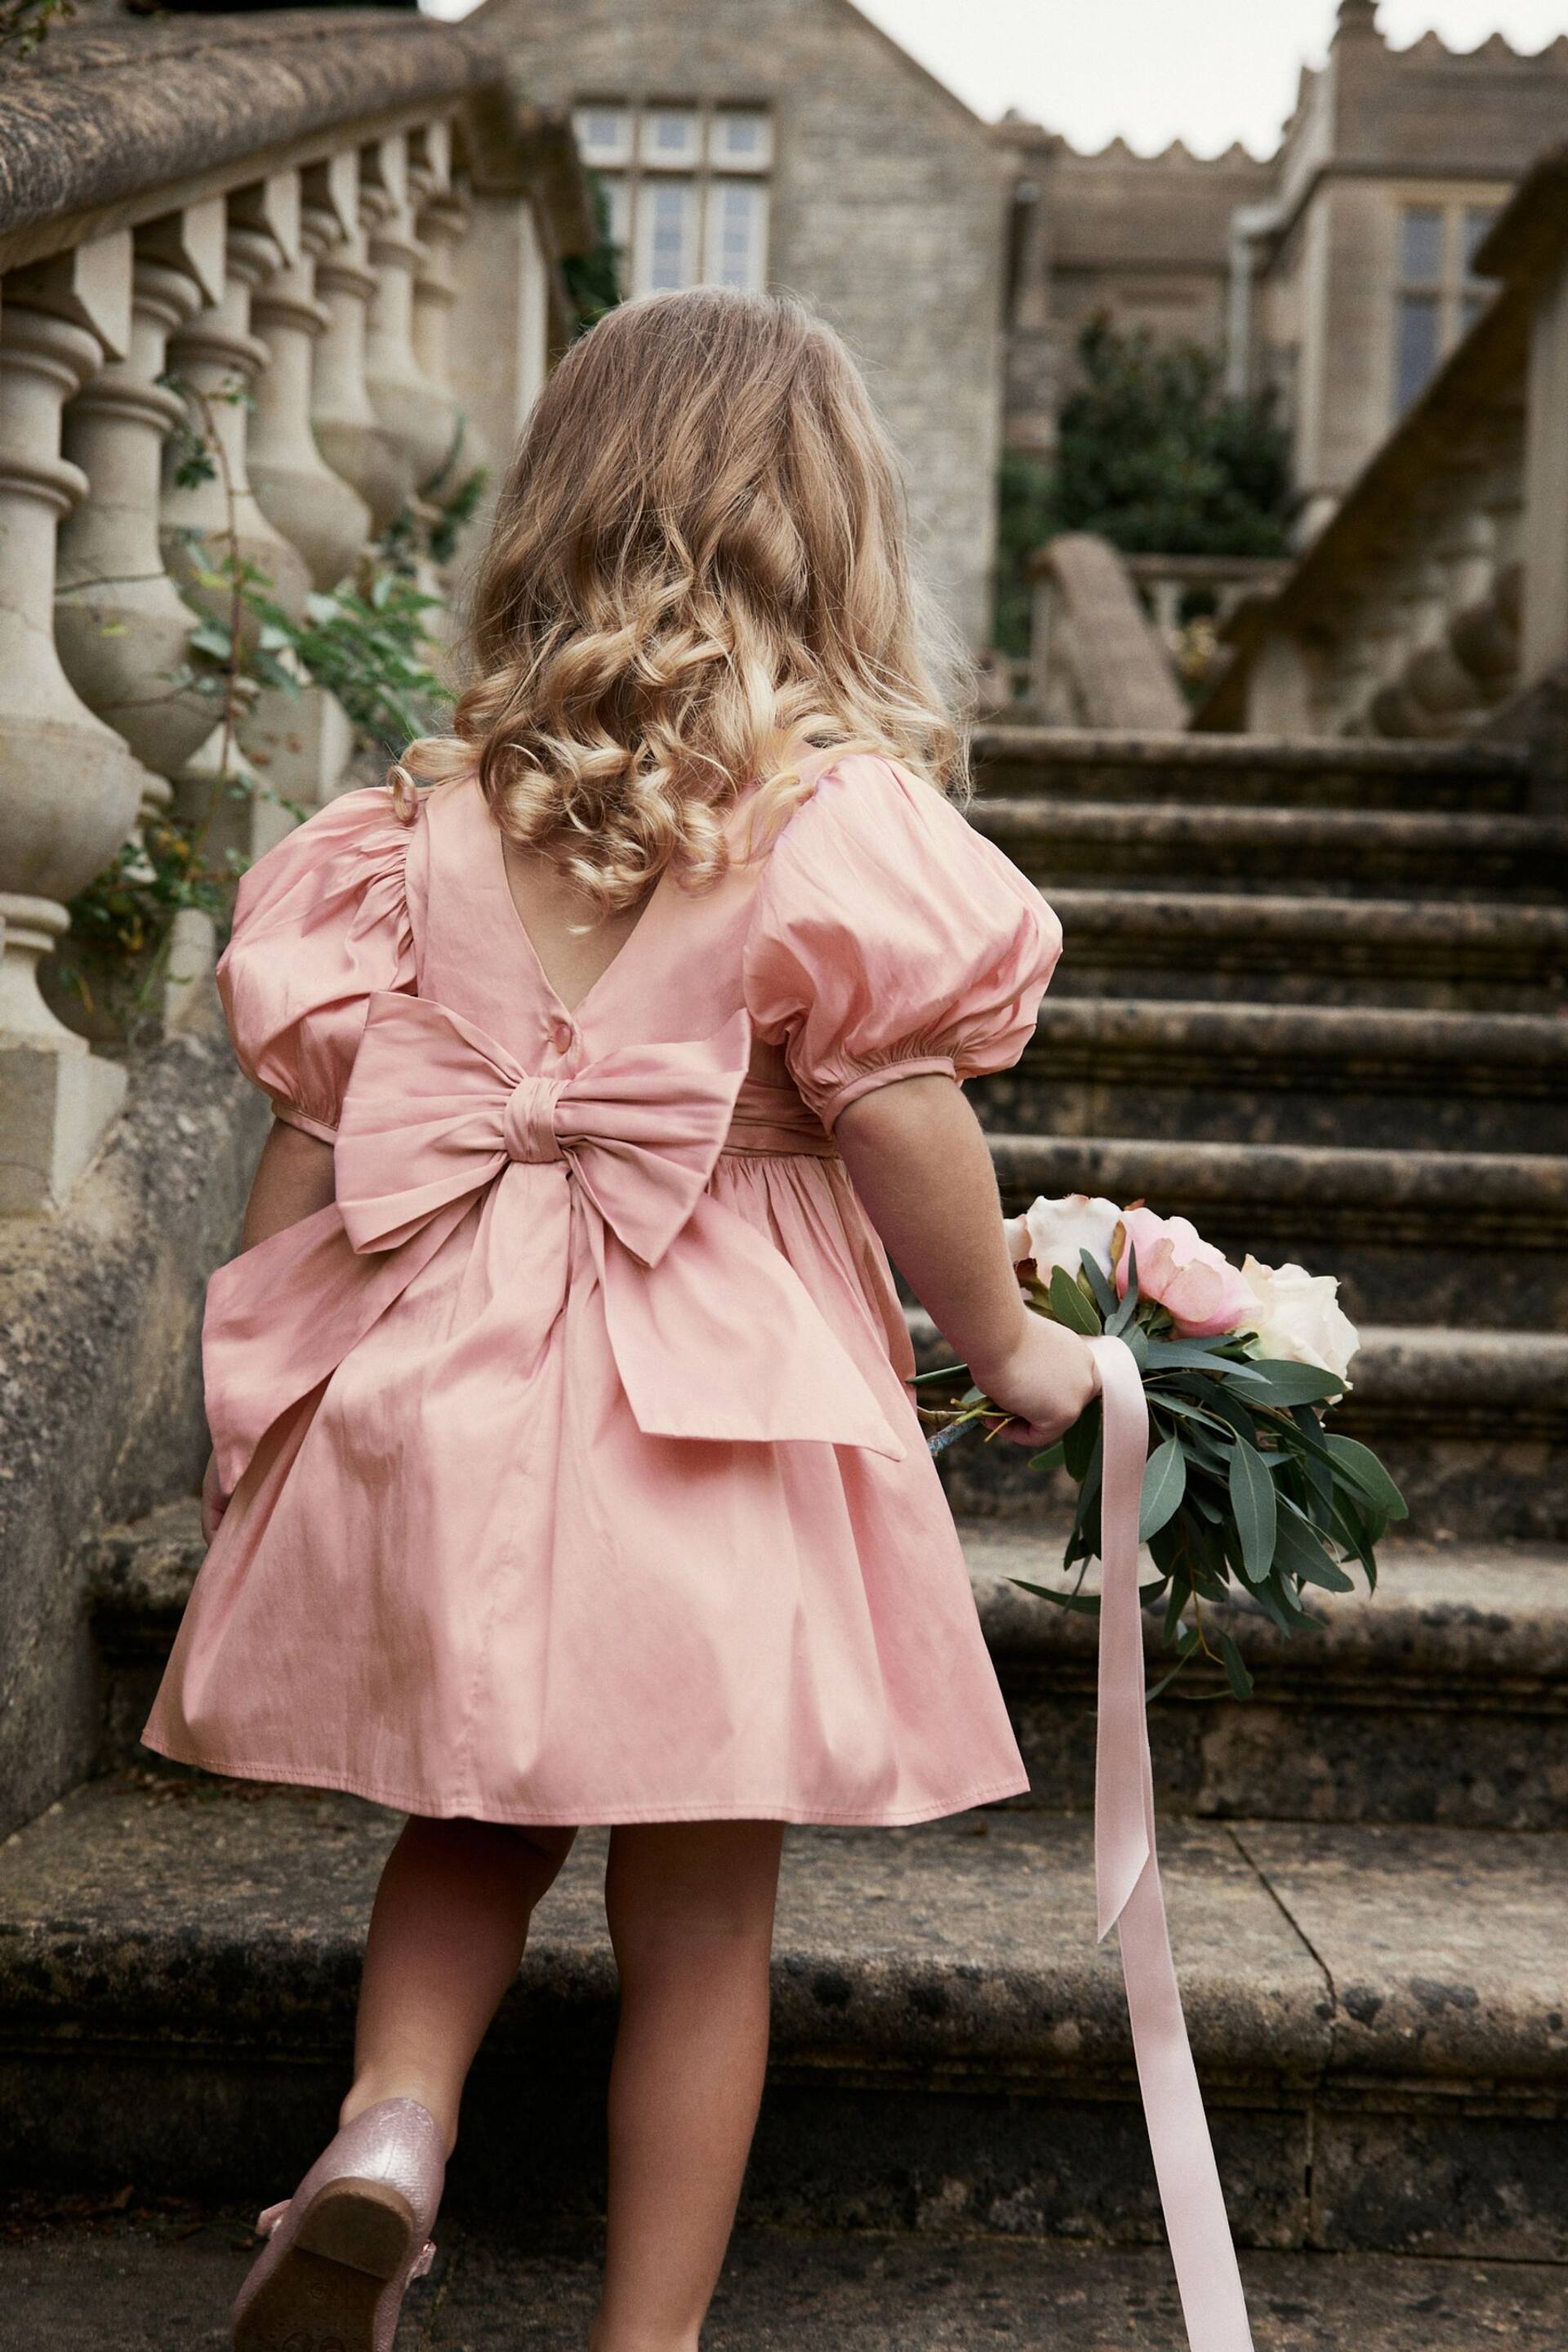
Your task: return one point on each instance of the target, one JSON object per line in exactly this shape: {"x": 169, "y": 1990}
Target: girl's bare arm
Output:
{"x": 917, "y": 1160}
{"x": 294, "y": 1180}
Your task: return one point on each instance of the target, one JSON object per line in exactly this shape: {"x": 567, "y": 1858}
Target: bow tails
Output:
{"x": 717, "y": 1340}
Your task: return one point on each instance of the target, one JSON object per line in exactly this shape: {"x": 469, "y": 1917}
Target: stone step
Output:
{"x": 1442, "y": 1697}
{"x": 1417, "y": 1236}
{"x": 110, "y": 2281}
{"x": 1472, "y": 1423}
{"x": 1376, "y": 2015}
{"x": 1455, "y": 955}
{"x": 1466, "y": 1647}
{"x": 1288, "y": 1074}
{"x": 1361, "y": 853}
{"x": 1329, "y": 773}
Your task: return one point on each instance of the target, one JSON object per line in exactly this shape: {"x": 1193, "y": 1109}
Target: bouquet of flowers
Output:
{"x": 1244, "y": 1490}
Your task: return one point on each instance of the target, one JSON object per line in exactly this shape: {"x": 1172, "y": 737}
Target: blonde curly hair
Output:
{"x": 699, "y": 564}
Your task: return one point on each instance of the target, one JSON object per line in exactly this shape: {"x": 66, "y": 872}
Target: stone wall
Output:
{"x": 887, "y": 212}
{"x": 101, "y": 1412}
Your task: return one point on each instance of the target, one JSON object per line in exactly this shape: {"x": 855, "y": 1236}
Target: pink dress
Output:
{"x": 574, "y": 1471}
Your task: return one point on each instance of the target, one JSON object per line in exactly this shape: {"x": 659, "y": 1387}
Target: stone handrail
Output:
{"x": 1095, "y": 658}
{"x": 337, "y": 235}
{"x": 1438, "y": 589}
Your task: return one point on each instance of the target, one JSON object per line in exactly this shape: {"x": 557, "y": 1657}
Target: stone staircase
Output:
{"x": 1364, "y": 1864}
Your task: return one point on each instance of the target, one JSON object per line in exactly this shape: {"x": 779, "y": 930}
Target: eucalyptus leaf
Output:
{"x": 1165, "y": 1483}
{"x": 1360, "y": 1466}
{"x": 1235, "y": 1671}
{"x": 1101, "y": 1285}
{"x": 1069, "y": 1306}
{"x": 1252, "y": 1499}
{"x": 1291, "y": 1384}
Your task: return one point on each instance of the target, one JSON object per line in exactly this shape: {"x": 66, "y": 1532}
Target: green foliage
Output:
{"x": 1025, "y": 519}
{"x": 1153, "y": 455}
{"x": 593, "y": 280}
{"x": 25, "y": 24}
{"x": 1245, "y": 1492}
{"x": 369, "y": 641}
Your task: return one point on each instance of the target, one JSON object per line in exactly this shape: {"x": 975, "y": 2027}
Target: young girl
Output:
{"x": 564, "y": 1465}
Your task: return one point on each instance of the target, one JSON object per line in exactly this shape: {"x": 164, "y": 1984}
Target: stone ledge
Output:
{"x": 1073, "y": 747}
{"x": 1363, "y": 1045}
{"x": 110, "y": 107}
{"x": 960, "y": 1947}
{"x": 1520, "y": 1197}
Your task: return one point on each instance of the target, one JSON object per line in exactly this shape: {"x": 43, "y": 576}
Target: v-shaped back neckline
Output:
{"x": 575, "y": 1011}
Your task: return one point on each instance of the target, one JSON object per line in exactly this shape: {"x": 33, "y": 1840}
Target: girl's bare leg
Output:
{"x": 691, "y": 1907}
{"x": 446, "y": 1934}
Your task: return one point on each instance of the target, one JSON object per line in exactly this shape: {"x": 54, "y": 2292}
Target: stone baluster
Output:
{"x": 413, "y": 409}
{"x": 1484, "y": 636}
{"x": 1439, "y": 685}
{"x": 211, "y": 524}
{"x": 442, "y": 224}
{"x": 353, "y": 438}
{"x": 1543, "y": 619}
{"x": 120, "y": 625}
{"x": 318, "y": 512}
{"x": 1420, "y": 613}
{"x": 208, "y": 522}
{"x": 69, "y": 786}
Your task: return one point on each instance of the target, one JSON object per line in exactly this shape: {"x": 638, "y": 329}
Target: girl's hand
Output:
{"x": 1046, "y": 1378}
{"x": 214, "y": 1502}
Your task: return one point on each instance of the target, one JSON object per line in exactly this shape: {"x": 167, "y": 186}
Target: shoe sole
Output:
{"x": 325, "y": 2292}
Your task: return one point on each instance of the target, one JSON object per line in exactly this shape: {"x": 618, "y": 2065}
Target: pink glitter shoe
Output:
{"x": 341, "y": 2252}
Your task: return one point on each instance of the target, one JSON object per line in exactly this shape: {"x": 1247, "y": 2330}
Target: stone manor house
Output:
{"x": 791, "y": 142}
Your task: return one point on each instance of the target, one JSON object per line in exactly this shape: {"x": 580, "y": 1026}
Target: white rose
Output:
{"x": 1299, "y": 1318}
{"x": 1053, "y": 1233}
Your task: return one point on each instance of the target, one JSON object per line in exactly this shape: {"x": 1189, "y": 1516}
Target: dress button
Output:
{"x": 561, "y": 1035}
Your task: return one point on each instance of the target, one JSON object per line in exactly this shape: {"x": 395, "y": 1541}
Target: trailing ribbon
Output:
{"x": 1128, "y": 1892}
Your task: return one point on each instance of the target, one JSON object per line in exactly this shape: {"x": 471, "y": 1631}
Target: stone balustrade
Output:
{"x": 1438, "y": 592}
{"x": 231, "y": 249}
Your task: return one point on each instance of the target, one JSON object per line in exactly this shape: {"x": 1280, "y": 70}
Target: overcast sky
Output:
{"x": 1205, "y": 70}
{"x": 1208, "y": 72}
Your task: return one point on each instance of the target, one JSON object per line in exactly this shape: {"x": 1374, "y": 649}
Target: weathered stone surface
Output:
{"x": 1290, "y": 1075}
{"x": 87, "y": 122}
{"x": 1447, "y": 955}
{"x": 1271, "y": 772}
{"x": 1461, "y": 1237}
{"x": 99, "y": 1402}
{"x": 1339, "y": 851}
{"x": 177, "y": 1972}
{"x": 1442, "y": 1697}
{"x": 118, "y": 2286}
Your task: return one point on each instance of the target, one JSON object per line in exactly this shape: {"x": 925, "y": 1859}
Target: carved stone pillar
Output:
{"x": 1420, "y": 616}
{"x": 69, "y": 786}
{"x": 353, "y": 438}
{"x": 218, "y": 357}
{"x": 1484, "y": 636}
{"x": 412, "y": 408}
{"x": 120, "y": 625}
{"x": 319, "y": 513}
{"x": 442, "y": 225}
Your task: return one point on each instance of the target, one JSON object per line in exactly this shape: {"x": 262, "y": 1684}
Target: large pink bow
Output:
{"x": 717, "y": 1339}
{"x": 436, "y": 1109}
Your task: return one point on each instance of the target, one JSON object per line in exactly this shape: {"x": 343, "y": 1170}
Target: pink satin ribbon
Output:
{"x": 1128, "y": 1892}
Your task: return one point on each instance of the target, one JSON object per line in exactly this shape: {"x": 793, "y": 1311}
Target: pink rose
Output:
{"x": 1202, "y": 1292}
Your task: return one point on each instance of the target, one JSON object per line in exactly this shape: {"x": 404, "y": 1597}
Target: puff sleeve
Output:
{"x": 320, "y": 922}
{"x": 890, "y": 940}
